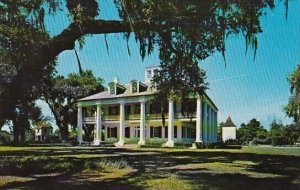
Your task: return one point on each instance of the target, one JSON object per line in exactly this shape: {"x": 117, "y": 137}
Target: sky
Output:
{"x": 243, "y": 88}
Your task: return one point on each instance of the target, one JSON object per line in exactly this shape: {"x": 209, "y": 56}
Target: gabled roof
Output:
{"x": 229, "y": 123}
{"x": 117, "y": 84}
{"x": 139, "y": 82}
{"x": 106, "y": 95}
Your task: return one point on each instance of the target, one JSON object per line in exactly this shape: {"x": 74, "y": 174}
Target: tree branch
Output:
{"x": 66, "y": 39}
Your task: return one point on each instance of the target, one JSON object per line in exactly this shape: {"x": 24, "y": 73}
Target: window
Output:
{"x": 175, "y": 131}
{"x": 108, "y": 132}
{"x": 127, "y": 111}
{"x": 113, "y": 110}
{"x": 112, "y": 89}
{"x": 127, "y": 132}
{"x": 183, "y": 134}
{"x": 166, "y": 132}
{"x": 188, "y": 133}
{"x": 137, "y": 109}
{"x": 148, "y": 74}
{"x": 193, "y": 133}
{"x": 112, "y": 132}
{"x": 155, "y": 132}
{"x": 89, "y": 112}
{"x": 137, "y": 131}
{"x": 155, "y": 72}
{"x": 134, "y": 87}
{"x": 155, "y": 108}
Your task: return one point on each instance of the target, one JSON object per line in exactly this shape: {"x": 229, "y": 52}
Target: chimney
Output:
{"x": 116, "y": 80}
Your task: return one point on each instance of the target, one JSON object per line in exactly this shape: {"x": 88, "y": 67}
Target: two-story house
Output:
{"x": 126, "y": 114}
{"x": 42, "y": 133}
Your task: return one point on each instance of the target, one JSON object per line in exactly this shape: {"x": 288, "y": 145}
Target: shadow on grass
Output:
{"x": 251, "y": 171}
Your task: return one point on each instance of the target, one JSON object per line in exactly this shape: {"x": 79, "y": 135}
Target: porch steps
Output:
{"x": 130, "y": 146}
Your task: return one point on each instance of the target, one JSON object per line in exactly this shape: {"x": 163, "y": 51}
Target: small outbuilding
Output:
{"x": 229, "y": 130}
{"x": 43, "y": 132}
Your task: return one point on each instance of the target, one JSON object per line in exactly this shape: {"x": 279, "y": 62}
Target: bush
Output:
{"x": 232, "y": 142}
{"x": 106, "y": 165}
{"x": 4, "y": 137}
{"x": 183, "y": 145}
{"x": 151, "y": 145}
{"x": 257, "y": 141}
{"x": 33, "y": 164}
{"x": 219, "y": 144}
{"x": 63, "y": 166}
{"x": 74, "y": 143}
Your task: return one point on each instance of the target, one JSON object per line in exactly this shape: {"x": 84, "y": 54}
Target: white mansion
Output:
{"x": 126, "y": 114}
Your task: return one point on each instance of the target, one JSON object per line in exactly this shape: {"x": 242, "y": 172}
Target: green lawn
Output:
{"x": 112, "y": 168}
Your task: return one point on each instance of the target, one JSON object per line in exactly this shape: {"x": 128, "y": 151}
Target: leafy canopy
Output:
{"x": 63, "y": 94}
{"x": 184, "y": 32}
{"x": 293, "y": 106}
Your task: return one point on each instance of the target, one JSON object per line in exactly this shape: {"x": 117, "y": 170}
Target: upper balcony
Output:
{"x": 131, "y": 117}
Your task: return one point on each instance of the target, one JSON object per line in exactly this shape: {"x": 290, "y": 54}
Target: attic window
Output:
{"x": 148, "y": 74}
{"x": 112, "y": 89}
{"x": 155, "y": 72}
{"x": 134, "y": 87}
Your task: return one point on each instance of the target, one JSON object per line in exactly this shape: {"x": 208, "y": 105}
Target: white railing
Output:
{"x": 89, "y": 119}
{"x": 134, "y": 117}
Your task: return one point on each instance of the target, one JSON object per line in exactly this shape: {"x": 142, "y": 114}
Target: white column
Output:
{"x": 170, "y": 142}
{"x": 122, "y": 125}
{"x": 198, "y": 121}
{"x": 205, "y": 122}
{"x": 79, "y": 124}
{"x": 142, "y": 124}
{"x": 216, "y": 126}
{"x": 208, "y": 123}
{"x": 98, "y": 126}
{"x": 212, "y": 126}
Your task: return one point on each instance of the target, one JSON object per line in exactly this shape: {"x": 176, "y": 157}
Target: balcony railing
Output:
{"x": 111, "y": 117}
{"x": 89, "y": 119}
{"x": 136, "y": 117}
{"x": 132, "y": 116}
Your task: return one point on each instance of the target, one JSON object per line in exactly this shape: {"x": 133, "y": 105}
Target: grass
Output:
{"x": 47, "y": 167}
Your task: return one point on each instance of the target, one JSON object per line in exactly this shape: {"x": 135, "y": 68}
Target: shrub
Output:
{"x": 33, "y": 164}
{"x": 151, "y": 145}
{"x": 74, "y": 143}
{"x": 219, "y": 144}
{"x": 232, "y": 142}
{"x": 257, "y": 141}
{"x": 183, "y": 145}
{"x": 106, "y": 164}
{"x": 63, "y": 166}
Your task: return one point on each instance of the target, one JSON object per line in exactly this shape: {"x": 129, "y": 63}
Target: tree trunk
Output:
{"x": 22, "y": 133}
{"x": 64, "y": 133}
{"x": 16, "y": 131}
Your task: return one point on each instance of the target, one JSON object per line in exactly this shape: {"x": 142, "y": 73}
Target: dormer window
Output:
{"x": 142, "y": 87}
{"x": 148, "y": 74}
{"x": 134, "y": 87}
{"x": 137, "y": 86}
{"x": 112, "y": 88}
{"x": 115, "y": 89}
